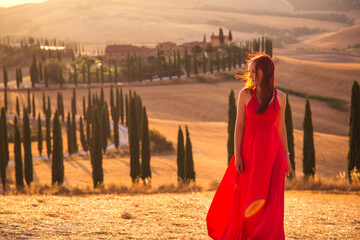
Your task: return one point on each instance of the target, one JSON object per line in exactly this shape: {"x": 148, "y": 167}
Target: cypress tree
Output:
{"x": 223, "y": 62}
{"x": 46, "y": 78}
{"x": 40, "y": 139}
{"x": 82, "y": 136}
{"x": 117, "y": 101}
{"x": 138, "y": 107}
{"x": 189, "y": 161}
{"x": 97, "y": 74}
{"x": 170, "y": 67}
{"x": 135, "y": 170}
{"x": 127, "y": 110}
{"x": 17, "y": 78}
{"x": 73, "y": 103}
{"x": 58, "y": 155}
{"x": 88, "y": 74}
{"x": 109, "y": 73}
{"x": 74, "y": 138}
{"x": 58, "y": 102}
{"x": 145, "y": 149}
{"x": 221, "y": 36}
{"x": 229, "y": 59}
{"x": 88, "y": 133}
{"x": 116, "y": 128}
{"x": 211, "y": 65}
{"x": 217, "y": 61}
{"x": 234, "y": 58}
{"x": 84, "y": 107}
{"x": 49, "y": 106}
{"x": 69, "y": 132}
{"x": 48, "y": 136}
{"x": 17, "y": 106}
{"x": 230, "y": 36}
{"x": 102, "y": 73}
{"x": 195, "y": 64}
{"x": 5, "y": 99}
{"x": 308, "y": 150}
{"x": 354, "y": 131}
{"x": 231, "y": 125}
{"x": 5, "y": 139}
{"x": 34, "y": 73}
{"x": 104, "y": 126}
{"x": 61, "y": 77}
{"x": 75, "y": 75}
{"x": 180, "y": 156}
{"x": 121, "y": 106}
{"x": 140, "y": 71}
{"x": 178, "y": 64}
{"x": 290, "y": 136}
{"x": 204, "y": 63}
{"x": 70, "y": 76}
{"x": 175, "y": 63}
{"x": 2, "y": 157}
{"x": 33, "y": 106}
{"x": 102, "y": 96}
{"x": 88, "y": 115}
{"x": 5, "y": 79}
{"x": 61, "y": 110}
{"x": 116, "y": 75}
{"x": 96, "y": 154}
{"x": 20, "y": 75}
{"x": 44, "y": 104}
{"x": 27, "y": 149}
{"x": 29, "y": 101}
{"x": 83, "y": 72}
{"x": 18, "y": 157}
{"x": 187, "y": 63}
{"x": 112, "y": 106}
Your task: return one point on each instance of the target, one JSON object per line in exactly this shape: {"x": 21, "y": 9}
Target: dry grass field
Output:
{"x": 340, "y": 39}
{"x": 308, "y": 215}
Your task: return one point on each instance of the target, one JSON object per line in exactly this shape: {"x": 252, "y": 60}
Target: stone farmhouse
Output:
{"x": 118, "y": 53}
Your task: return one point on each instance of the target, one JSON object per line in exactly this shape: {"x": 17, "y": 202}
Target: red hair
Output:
{"x": 266, "y": 64}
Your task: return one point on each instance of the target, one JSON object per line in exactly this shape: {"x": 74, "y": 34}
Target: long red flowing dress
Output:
{"x": 250, "y": 205}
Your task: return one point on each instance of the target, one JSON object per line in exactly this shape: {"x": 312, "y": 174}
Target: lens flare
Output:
{"x": 254, "y": 207}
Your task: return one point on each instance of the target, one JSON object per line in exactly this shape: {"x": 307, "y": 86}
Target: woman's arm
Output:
{"x": 239, "y": 130}
{"x": 282, "y": 131}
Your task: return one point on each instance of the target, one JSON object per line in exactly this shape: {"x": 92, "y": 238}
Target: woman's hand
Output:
{"x": 288, "y": 163}
{"x": 239, "y": 165}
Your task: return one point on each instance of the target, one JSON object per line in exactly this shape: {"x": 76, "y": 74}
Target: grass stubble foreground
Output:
{"x": 314, "y": 209}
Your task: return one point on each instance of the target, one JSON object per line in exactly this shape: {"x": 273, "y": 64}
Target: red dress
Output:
{"x": 250, "y": 205}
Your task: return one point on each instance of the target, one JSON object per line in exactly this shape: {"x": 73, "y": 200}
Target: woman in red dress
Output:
{"x": 249, "y": 202}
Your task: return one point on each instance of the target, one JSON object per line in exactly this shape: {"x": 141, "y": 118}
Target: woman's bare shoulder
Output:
{"x": 281, "y": 93}
{"x": 281, "y": 96}
{"x": 245, "y": 92}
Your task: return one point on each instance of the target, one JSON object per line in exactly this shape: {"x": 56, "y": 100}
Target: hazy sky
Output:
{"x": 9, "y": 3}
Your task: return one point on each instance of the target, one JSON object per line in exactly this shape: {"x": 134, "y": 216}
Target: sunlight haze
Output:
{"x": 7, "y": 3}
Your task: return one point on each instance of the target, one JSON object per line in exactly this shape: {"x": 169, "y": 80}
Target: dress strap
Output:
{"x": 275, "y": 93}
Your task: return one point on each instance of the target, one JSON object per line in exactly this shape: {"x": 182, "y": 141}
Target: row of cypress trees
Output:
{"x": 96, "y": 109}
{"x": 185, "y": 162}
{"x": 134, "y": 70}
